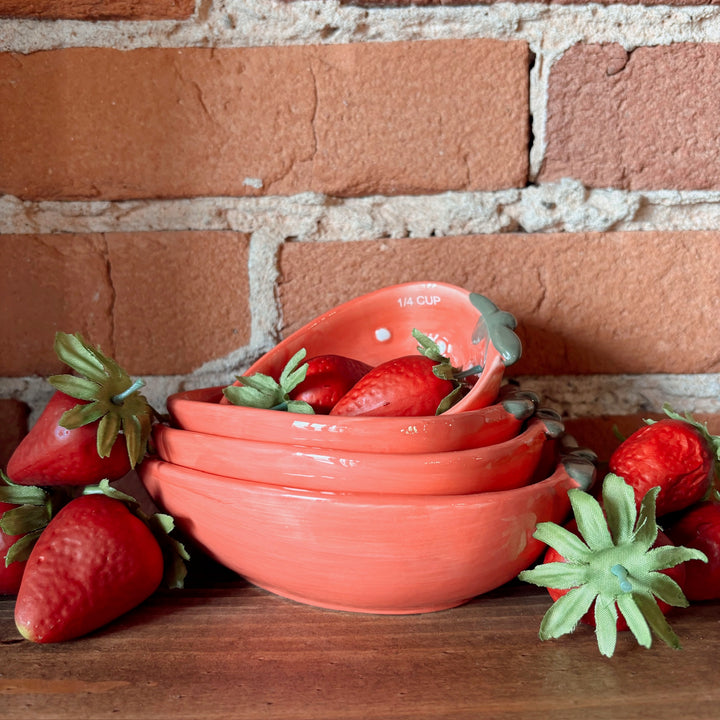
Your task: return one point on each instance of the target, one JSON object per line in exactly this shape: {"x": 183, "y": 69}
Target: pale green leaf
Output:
{"x": 76, "y": 387}
{"x": 667, "y": 556}
{"x": 300, "y": 406}
{"x": 107, "y": 432}
{"x": 557, "y": 575}
{"x": 655, "y": 618}
{"x": 78, "y": 355}
{"x": 646, "y": 528}
{"x": 566, "y": 612}
{"x": 569, "y": 545}
{"x": 22, "y": 494}
{"x": 635, "y": 620}
{"x": 249, "y": 397}
{"x": 620, "y": 508}
{"x": 606, "y": 625}
{"x": 292, "y": 375}
{"x": 24, "y": 518}
{"x": 82, "y": 414}
{"x": 134, "y": 441}
{"x": 666, "y": 589}
{"x": 590, "y": 520}
{"x": 20, "y": 549}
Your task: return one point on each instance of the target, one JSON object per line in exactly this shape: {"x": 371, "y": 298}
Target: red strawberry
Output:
{"x": 95, "y": 561}
{"x": 76, "y": 440}
{"x": 699, "y": 528}
{"x": 10, "y": 572}
{"x": 327, "y": 379}
{"x": 411, "y": 385}
{"x": 24, "y": 513}
{"x": 613, "y": 560}
{"x": 676, "y": 454}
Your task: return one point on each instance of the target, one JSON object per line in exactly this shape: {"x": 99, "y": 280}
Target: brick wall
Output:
{"x": 186, "y": 182}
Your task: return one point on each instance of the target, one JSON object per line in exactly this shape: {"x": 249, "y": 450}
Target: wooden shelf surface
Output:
{"x": 229, "y": 650}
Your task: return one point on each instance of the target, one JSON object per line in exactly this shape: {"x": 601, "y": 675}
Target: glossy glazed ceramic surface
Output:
{"x": 506, "y": 465}
{"x": 200, "y": 411}
{"x": 361, "y": 552}
{"x": 378, "y": 326}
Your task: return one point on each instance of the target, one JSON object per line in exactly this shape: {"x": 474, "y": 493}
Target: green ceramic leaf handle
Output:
{"x": 498, "y": 326}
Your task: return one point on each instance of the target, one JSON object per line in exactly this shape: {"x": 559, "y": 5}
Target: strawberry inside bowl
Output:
{"x": 475, "y": 336}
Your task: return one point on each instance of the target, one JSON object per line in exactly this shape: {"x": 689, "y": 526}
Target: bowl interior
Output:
{"x": 378, "y": 326}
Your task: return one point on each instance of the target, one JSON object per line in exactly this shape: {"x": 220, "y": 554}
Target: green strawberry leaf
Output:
{"x": 264, "y": 392}
{"x": 108, "y": 395}
{"x": 606, "y": 625}
{"x": 613, "y": 564}
{"x": 564, "y": 615}
{"x": 619, "y": 504}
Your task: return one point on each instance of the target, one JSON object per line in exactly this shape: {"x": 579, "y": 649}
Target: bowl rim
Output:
{"x": 574, "y": 465}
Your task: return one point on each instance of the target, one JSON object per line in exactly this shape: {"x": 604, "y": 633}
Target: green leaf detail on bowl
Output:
{"x": 612, "y": 564}
{"x": 498, "y": 326}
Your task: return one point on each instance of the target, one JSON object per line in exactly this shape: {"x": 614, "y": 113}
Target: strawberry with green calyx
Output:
{"x": 411, "y": 385}
{"x": 262, "y": 391}
{"x": 95, "y": 426}
{"x": 25, "y": 511}
{"x": 612, "y": 563}
{"x": 676, "y": 454}
{"x": 98, "y": 558}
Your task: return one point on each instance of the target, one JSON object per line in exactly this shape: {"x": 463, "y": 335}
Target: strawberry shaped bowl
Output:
{"x": 472, "y": 340}
{"x": 365, "y": 552}
{"x": 500, "y": 466}
{"x": 201, "y": 411}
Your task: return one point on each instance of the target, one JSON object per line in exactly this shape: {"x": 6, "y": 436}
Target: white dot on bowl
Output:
{"x": 383, "y": 334}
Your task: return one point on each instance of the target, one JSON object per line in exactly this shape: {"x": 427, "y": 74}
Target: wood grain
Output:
{"x": 234, "y": 651}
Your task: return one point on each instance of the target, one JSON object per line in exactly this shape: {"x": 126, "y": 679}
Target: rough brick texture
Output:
{"x": 13, "y": 426}
{"x": 105, "y": 10}
{"x": 585, "y": 303}
{"x": 387, "y": 118}
{"x": 403, "y": 3}
{"x": 160, "y": 303}
{"x": 640, "y": 120}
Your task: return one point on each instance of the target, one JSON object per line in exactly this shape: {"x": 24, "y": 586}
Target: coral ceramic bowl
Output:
{"x": 393, "y": 554}
{"x": 468, "y": 328}
{"x": 501, "y": 466}
{"x": 200, "y": 411}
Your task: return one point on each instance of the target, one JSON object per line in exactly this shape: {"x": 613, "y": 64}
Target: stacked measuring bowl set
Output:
{"x": 373, "y": 514}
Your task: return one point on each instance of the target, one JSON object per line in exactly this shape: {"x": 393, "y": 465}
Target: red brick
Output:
{"x": 106, "y": 10}
{"x": 13, "y": 426}
{"x": 181, "y": 298}
{"x": 50, "y": 283}
{"x": 640, "y": 120}
{"x": 160, "y": 303}
{"x": 343, "y": 119}
{"x": 585, "y": 303}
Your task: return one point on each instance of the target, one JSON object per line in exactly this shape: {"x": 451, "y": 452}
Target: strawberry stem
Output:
{"x": 621, "y": 573}
{"x": 121, "y": 396}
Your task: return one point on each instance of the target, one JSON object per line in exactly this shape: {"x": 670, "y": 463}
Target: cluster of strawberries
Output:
{"x": 412, "y": 385}
{"x": 77, "y": 552}
{"x": 613, "y": 556}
